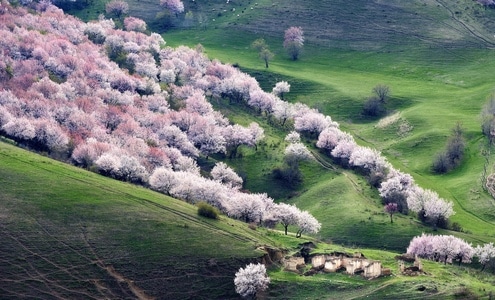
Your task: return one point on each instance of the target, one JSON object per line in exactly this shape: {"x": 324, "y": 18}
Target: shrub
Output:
{"x": 290, "y": 176}
{"x": 373, "y": 107}
{"x": 208, "y": 211}
{"x": 453, "y": 154}
{"x": 441, "y": 164}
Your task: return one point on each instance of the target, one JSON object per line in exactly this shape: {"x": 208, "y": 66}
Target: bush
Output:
{"x": 453, "y": 154}
{"x": 441, "y": 164}
{"x": 373, "y": 107}
{"x": 290, "y": 176}
{"x": 208, "y": 211}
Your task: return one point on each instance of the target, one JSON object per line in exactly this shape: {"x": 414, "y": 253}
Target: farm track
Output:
{"x": 464, "y": 25}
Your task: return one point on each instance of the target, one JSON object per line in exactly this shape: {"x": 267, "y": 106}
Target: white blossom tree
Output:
{"x": 429, "y": 205}
{"x": 307, "y": 223}
{"x": 293, "y": 137}
{"x": 281, "y": 88}
{"x": 444, "y": 248}
{"x": 175, "y": 6}
{"x": 250, "y": 280}
{"x": 485, "y": 254}
{"x": 225, "y": 175}
{"x": 286, "y": 214}
{"x": 163, "y": 180}
{"x": 295, "y": 153}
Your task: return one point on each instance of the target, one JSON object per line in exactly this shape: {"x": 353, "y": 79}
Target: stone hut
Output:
{"x": 330, "y": 263}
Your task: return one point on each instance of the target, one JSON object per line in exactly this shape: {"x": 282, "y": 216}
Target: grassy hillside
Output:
{"x": 436, "y": 58}
{"x": 434, "y": 55}
{"x": 69, "y": 233}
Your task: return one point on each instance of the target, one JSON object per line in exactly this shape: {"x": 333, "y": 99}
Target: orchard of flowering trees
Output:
{"x": 125, "y": 105}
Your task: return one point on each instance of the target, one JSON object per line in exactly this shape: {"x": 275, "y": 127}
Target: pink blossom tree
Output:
{"x": 117, "y": 8}
{"x": 344, "y": 150}
{"x": 51, "y": 136}
{"x": 313, "y": 122}
{"x": 330, "y": 137}
{"x": 294, "y": 41}
{"x": 20, "y": 129}
{"x": 134, "y": 24}
{"x": 207, "y": 138}
{"x": 444, "y": 248}
{"x": 371, "y": 162}
{"x": 395, "y": 189}
{"x": 175, "y": 6}
{"x": 391, "y": 209}
{"x": 172, "y": 136}
{"x": 261, "y": 101}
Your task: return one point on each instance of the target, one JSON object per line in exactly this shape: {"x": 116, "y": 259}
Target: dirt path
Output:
{"x": 138, "y": 292}
{"x": 464, "y": 25}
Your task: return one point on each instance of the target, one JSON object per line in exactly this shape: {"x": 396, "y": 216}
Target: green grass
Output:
{"x": 62, "y": 226}
{"x": 70, "y": 233}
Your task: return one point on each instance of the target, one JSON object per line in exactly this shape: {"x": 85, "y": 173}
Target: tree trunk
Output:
{"x": 286, "y": 229}
{"x": 391, "y": 218}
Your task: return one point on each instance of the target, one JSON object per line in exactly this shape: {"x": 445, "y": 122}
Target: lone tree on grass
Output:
{"x": 294, "y": 41}
{"x": 391, "y": 209}
{"x": 375, "y": 104}
{"x": 263, "y": 51}
{"x": 251, "y": 280}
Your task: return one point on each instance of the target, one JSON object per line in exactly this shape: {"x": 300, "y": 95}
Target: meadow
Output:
{"x": 433, "y": 86}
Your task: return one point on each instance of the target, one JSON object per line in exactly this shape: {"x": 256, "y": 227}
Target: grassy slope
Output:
{"x": 433, "y": 55}
{"x": 68, "y": 233}
{"x": 64, "y": 230}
